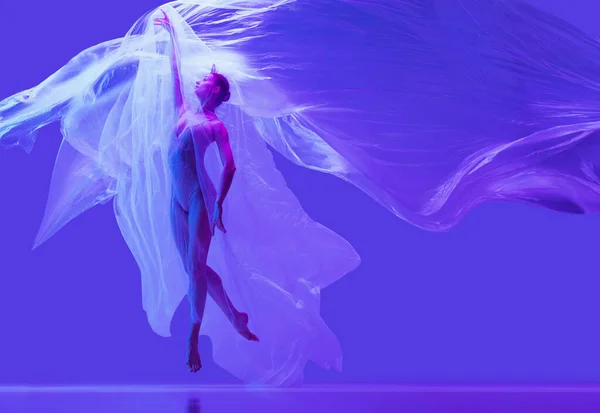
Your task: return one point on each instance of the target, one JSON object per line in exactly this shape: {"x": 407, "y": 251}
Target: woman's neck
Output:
{"x": 209, "y": 107}
{"x": 209, "y": 115}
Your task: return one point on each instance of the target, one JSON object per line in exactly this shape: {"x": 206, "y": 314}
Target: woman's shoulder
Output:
{"x": 217, "y": 127}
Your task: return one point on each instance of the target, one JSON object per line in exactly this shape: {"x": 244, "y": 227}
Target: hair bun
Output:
{"x": 226, "y": 97}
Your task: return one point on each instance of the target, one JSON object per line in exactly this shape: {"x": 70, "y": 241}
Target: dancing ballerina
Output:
{"x": 429, "y": 107}
{"x": 194, "y": 131}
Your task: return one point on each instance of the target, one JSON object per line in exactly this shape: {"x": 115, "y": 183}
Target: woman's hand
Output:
{"x": 163, "y": 21}
{"x": 218, "y": 218}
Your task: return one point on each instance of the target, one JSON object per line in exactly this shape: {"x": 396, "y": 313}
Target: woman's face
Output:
{"x": 205, "y": 87}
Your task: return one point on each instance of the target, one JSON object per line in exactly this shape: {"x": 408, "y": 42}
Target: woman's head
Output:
{"x": 213, "y": 89}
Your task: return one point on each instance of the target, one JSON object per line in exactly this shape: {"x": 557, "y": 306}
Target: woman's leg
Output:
{"x": 197, "y": 252}
{"x": 239, "y": 320}
{"x": 179, "y": 225}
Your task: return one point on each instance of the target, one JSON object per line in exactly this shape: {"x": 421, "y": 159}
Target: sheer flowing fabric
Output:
{"x": 429, "y": 106}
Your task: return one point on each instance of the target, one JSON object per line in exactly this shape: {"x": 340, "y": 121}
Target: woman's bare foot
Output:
{"x": 241, "y": 325}
{"x": 194, "y": 362}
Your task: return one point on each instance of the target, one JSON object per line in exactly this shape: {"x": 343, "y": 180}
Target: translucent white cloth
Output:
{"x": 429, "y": 106}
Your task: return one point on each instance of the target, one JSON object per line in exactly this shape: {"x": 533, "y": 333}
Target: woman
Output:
{"x": 194, "y": 132}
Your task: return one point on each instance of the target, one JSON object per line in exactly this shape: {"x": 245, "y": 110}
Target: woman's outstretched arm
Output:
{"x": 175, "y": 59}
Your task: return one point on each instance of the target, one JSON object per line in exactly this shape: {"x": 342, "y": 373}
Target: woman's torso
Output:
{"x": 193, "y": 134}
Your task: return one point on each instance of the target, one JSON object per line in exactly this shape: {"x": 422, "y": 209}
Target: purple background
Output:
{"x": 507, "y": 297}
